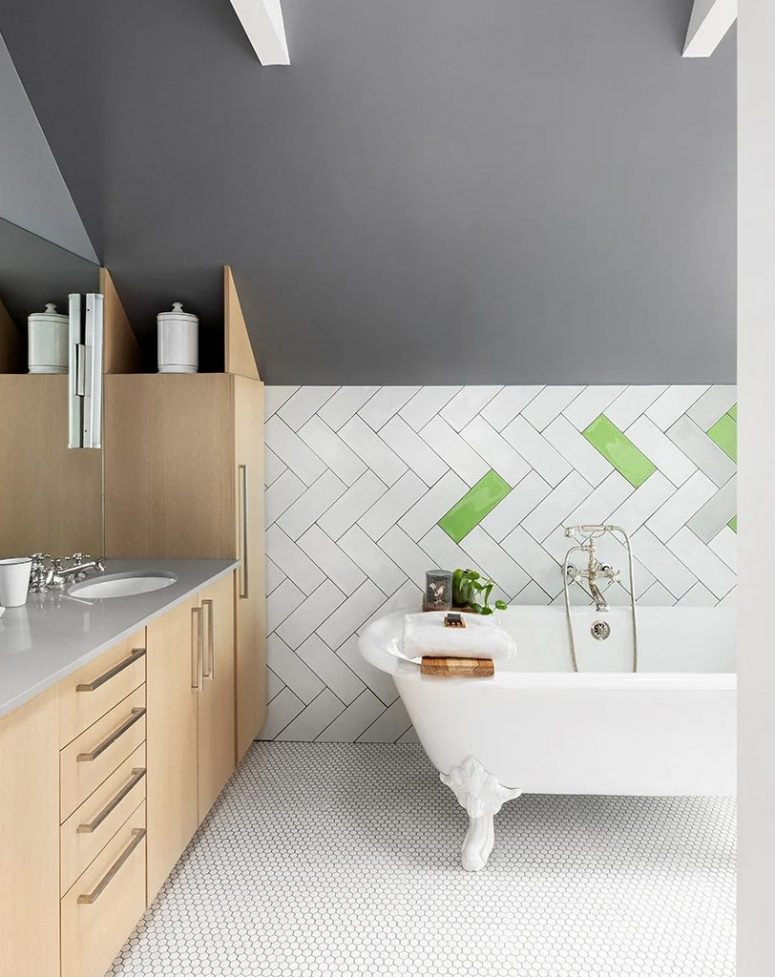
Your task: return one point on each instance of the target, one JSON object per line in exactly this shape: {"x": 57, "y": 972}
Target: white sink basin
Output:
{"x": 122, "y": 584}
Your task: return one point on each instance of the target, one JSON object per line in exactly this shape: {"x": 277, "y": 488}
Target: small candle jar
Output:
{"x": 438, "y": 591}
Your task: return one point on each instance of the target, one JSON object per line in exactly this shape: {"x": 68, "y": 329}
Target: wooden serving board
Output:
{"x": 457, "y": 667}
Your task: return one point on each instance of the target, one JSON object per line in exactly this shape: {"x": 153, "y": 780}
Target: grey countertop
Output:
{"x": 55, "y": 634}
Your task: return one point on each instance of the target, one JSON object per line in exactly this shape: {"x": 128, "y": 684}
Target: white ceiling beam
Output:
{"x": 262, "y": 21}
{"x": 710, "y": 21}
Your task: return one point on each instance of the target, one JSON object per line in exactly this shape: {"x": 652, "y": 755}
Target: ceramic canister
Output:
{"x": 47, "y": 334}
{"x": 178, "y": 341}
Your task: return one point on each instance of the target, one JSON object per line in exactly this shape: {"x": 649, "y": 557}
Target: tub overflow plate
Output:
{"x": 600, "y": 630}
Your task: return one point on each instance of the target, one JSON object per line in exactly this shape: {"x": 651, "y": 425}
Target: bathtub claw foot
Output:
{"x": 482, "y": 795}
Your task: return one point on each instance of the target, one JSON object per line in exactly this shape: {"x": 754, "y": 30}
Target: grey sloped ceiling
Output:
{"x": 33, "y": 194}
{"x": 501, "y": 191}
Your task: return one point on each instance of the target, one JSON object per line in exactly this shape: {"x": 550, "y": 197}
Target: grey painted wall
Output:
{"x": 503, "y": 191}
{"x": 32, "y": 191}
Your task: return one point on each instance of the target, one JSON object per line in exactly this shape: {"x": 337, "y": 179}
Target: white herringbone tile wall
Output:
{"x": 358, "y": 478}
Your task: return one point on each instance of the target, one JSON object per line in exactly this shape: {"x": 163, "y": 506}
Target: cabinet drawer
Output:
{"x": 101, "y": 909}
{"x": 89, "y": 828}
{"x": 95, "y": 754}
{"x": 93, "y": 690}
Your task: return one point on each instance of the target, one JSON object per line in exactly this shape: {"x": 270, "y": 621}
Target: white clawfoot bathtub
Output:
{"x": 538, "y": 727}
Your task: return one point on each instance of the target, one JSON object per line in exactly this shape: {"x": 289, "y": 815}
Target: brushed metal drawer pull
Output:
{"x": 137, "y": 836}
{"x": 134, "y": 715}
{"x": 197, "y": 653}
{"x": 210, "y": 673}
{"x": 137, "y": 775}
{"x": 134, "y": 655}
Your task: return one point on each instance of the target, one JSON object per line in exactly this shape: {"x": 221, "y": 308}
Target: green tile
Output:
{"x": 724, "y": 433}
{"x": 733, "y": 411}
{"x": 733, "y": 524}
{"x": 474, "y": 506}
{"x": 617, "y": 448}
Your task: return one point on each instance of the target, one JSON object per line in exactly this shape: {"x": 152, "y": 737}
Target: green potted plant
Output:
{"x": 471, "y": 591}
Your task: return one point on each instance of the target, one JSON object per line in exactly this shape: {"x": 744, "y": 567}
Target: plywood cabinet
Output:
{"x": 29, "y": 839}
{"x": 184, "y": 470}
{"x": 215, "y": 706}
{"x": 174, "y": 678}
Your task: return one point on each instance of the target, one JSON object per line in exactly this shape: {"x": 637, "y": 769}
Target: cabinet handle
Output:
{"x": 210, "y": 673}
{"x": 134, "y": 655}
{"x": 137, "y": 775}
{"x": 245, "y": 585}
{"x": 119, "y": 731}
{"x": 137, "y": 836}
{"x": 196, "y": 649}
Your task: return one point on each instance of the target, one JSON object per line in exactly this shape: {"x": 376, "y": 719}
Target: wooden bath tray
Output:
{"x": 457, "y": 667}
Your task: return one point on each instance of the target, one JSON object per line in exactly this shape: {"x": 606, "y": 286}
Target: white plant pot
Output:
{"x": 47, "y": 334}
{"x": 178, "y": 341}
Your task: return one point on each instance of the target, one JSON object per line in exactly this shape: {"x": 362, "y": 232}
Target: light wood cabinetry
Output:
{"x": 215, "y": 719}
{"x": 173, "y": 672}
{"x": 184, "y": 459}
{"x": 29, "y": 839}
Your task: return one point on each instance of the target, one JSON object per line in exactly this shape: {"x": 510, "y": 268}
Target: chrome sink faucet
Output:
{"x": 50, "y": 572}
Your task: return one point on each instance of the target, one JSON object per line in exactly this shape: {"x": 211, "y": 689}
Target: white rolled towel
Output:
{"x": 482, "y": 637}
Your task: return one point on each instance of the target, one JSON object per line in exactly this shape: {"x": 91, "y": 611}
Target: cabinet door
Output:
{"x": 216, "y": 703}
{"x": 29, "y": 839}
{"x": 250, "y": 605}
{"x": 174, "y": 681}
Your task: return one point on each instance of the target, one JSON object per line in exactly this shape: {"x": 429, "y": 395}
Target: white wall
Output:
{"x": 756, "y": 329}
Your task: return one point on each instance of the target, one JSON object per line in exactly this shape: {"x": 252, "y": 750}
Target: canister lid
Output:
{"x": 177, "y": 313}
{"x": 50, "y": 315}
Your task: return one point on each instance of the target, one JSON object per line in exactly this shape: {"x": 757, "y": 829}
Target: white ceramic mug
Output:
{"x": 15, "y": 580}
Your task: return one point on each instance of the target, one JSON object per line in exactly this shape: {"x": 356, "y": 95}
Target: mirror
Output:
{"x": 50, "y": 495}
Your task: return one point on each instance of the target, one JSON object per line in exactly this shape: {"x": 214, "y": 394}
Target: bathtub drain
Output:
{"x": 600, "y": 630}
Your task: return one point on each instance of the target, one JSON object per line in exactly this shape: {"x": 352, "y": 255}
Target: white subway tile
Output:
{"x": 283, "y": 708}
{"x": 698, "y": 596}
{"x": 411, "y": 448}
{"x": 330, "y": 557}
{"x": 676, "y": 400}
{"x": 631, "y": 403}
{"x": 425, "y": 404}
{"x": 273, "y": 466}
{"x": 590, "y": 403}
{"x": 506, "y": 404}
{"x": 598, "y": 505}
{"x": 351, "y": 614}
{"x": 274, "y": 576}
{"x": 494, "y": 561}
{"x": 427, "y": 511}
{"x": 318, "y": 714}
{"x": 386, "y": 402}
{"x": 330, "y": 448}
{"x": 536, "y": 450}
{"x": 681, "y": 506}
{"x": 703, "y": 562}
{"x": 281, "y": 602}
{"x": 298, "y": 409}
{"x": 390, "y": 726}
{"x": 299, "y": 625}
{"x": 724, "y": 545}
{"x": 466, "y": 404}
{"x": 495, "y": 450}
{"x": 328, "y": 667}
{"x": 454, "y": 451}
{"x": 303, "y": 682}
{"x": 553, "y": 510}
{"x": 310, "y": 506}
{"x": 643, "y": 503}
{"x": 282, "y": 493}
{"x": 292, "y": 561}
{"x": 355, "y": 719}
{"x": 575, "y": 449}
{"x": 345, "y": 402}
{"x": 370, "y": 447}
{"x": 664, "y": 565}
{"x": 376, "y": 564}
{"x": 543, "y": 409}
{"x": 534, "y": 559}
{"x": 406, "y": 554}
{"x": 713, "y": 404}
{"x": 347, "y": 509}
{"x": 378, "y": 682}
{"x": 274, "y": 398}
{"x": 660, "y": 450}
{"x": 521, "y": 500}
{"x": 289, "y": 447}
{"x": 386, "y": 511}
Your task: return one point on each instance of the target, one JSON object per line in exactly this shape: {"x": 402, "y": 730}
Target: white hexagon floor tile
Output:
{"x": 321, "y": 860}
